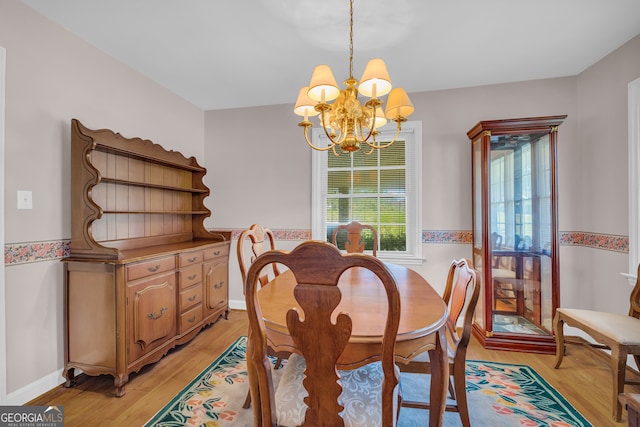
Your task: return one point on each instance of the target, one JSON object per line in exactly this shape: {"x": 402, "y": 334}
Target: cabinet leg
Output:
{"x": 120, "y": 382}
{"x": 69, "y": 374}
{"x": 226, "y": 314}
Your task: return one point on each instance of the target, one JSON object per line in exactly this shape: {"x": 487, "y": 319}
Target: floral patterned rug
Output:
{"x": 499, "y": 395}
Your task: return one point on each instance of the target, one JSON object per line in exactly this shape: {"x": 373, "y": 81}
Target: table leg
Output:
{"x": 439, "y": 379}
{"x": 253, "y": 385}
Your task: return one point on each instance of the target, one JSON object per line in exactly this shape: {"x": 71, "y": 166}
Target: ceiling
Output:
{"x": 222, "y": 54}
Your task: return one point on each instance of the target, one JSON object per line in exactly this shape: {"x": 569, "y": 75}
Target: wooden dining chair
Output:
{"x": 313, "y": 390}
{"x": 618, "y": 333}
{"x": 354, "y": 242}
{"x": 461, "y": 295}
{"x": 261, "y": 239}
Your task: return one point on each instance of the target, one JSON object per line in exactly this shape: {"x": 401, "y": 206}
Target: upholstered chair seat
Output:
{"x": 424, "y": 357}
{"x": 621, "y": 328}
{"x": 361, "y": 394}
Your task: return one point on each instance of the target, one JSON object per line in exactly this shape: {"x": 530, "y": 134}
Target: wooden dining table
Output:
{"x": 423, "y": 315}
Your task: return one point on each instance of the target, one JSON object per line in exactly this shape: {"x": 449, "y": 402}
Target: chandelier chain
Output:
{"x": 351, "y": 39}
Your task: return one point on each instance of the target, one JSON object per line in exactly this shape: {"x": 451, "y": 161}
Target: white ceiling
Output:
{"x": 237, "y": 53}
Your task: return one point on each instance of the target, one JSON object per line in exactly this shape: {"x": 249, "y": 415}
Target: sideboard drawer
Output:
{"x": 190, "y": 258}
{"x": 216, "y": 251}
{"x": 148, "y": 268}
{"x": 190, "y": 297}
{"x": 191, "y": 318}
{"x": 190, "y": 276}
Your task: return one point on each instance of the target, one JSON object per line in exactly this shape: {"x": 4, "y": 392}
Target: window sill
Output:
{"x": 630, "y": 277}
{"x": 402, "y": 260}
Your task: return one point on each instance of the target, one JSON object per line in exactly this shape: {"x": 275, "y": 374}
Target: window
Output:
{"x": 381, "y": 189}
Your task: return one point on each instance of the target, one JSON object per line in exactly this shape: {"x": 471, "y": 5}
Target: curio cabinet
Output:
{"x": 515, "y": 231}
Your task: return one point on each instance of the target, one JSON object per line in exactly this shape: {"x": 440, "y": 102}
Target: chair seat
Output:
{"x": 621, "y": 328}
{"x": 424, "y": 356}
{"x": 361, "y": 394}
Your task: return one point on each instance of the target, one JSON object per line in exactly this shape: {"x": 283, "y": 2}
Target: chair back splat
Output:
{"x": 354, "y": 242}
{"x": 262, "y": 240}
{"x": 319, "y": 342}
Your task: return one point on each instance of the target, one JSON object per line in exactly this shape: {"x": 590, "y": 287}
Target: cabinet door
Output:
{"x": 152, "y": 310}
{"x": 215, "y": 284}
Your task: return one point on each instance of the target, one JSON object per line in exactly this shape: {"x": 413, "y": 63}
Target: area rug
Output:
{"x": 499, "y": 395}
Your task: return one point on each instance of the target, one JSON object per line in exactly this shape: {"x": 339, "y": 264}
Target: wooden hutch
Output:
{"x": 143, "y": 275}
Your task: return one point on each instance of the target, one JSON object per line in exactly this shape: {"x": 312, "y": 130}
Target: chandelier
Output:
{"x": 348, "y": 124}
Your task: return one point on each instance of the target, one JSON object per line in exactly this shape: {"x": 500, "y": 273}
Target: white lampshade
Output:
{"x": 375, "y": 76}
{"x": 304, "y": 104}
{"x": 322, "y": 81}
{"x": 379, "y": 120}
{"x": 398, "y": 104}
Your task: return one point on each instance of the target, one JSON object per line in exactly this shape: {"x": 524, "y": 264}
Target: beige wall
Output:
{"x": 271, "y": 179}
{"x": 51, "y": 77}
{"x": 598, "y": 170}
{"x": 258, "y": 157}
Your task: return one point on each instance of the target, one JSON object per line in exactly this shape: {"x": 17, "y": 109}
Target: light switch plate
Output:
{"x": 25, "y": 200}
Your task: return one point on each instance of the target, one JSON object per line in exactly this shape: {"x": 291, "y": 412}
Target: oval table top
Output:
{"x": 422, "y": 310}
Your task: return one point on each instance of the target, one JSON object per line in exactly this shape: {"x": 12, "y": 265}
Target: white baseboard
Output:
{"x": 35, "y": 389}
{"x": 237, "y": 305}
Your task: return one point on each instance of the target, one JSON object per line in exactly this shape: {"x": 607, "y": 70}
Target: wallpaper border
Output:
{"x": 28, "y": 252}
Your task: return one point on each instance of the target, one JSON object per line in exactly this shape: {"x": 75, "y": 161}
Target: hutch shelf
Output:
{"x": 515, "y": 232}
{"x": 144, "y": 275}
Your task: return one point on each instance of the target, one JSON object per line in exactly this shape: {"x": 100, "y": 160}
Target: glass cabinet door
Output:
{"x": 515, "y": 232}
{"x": 478, "y": 260}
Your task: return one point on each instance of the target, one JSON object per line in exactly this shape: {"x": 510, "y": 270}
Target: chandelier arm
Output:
{"x": 341, "y": 132}
{"x": 395, "y": 138}
{"x": 306, "y": 137}
{"x": 326, "y": 132}
{"x": 335, "y": 152}
{"x": 372, "y": 128}
{"x": 369, "y": 152}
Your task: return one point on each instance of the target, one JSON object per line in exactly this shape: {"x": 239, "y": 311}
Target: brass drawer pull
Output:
{"x": 193, "y": 276}
{"x": 216, "y": 253}
{"x": 153, "y": 316}
{"x": 218, "y": 285}
{"x": 192, "y": 259}
{"x": 192, "y": 319}
{"x": 192, "y": 298}
{"x": 154, "y": 269}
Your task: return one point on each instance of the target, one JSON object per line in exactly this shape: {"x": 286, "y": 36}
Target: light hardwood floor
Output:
{"x": 584, "y": 379}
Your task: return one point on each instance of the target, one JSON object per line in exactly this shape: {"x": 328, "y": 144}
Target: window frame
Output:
{"x": 412, "y": 134}
{"x": 634, "y": 179}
